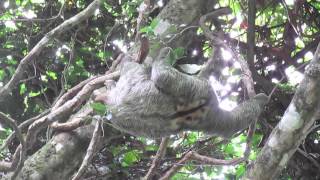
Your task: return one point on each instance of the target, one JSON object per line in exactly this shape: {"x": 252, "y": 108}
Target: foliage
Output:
{"x": 99, "y": 108}
{"x": 283, "y": 42}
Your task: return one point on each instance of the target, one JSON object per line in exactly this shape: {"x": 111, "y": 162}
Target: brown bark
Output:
{"x": 59, "y": 158}
{"x": 293, "y": 127}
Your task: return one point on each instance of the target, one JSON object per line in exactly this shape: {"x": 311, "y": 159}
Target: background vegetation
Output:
{"x": 287, "y": 33}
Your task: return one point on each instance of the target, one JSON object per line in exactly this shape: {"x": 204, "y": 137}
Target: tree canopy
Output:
{"x": 54, "y": 54}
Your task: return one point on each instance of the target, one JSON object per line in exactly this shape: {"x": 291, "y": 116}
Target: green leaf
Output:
{"x": 146, "y": 30}
{"x": 240, "y": 171}
{"x": 184, "y": 176}
{"x": 104, "y": 55}
{"x": 23, "y": 88}
{"x": 150, "y": 29}
{"x": 99, "y": 108}
{"x": 34, "y": 94}
{"x": 2, "y": 74}
{"x": 178, "y": 176}
{"x": 107, "y": 54}
{"x": 11, "y": 61}
{"x": 192, "y": 138}
{"x": 229, "y": 149}
{"x": 8, "y": 45}
{"x": 256, "y": 139}
{"x": 171, "y": 59}
{"x": 286, "y": 87}
{"x": 235, "y": 6}
{"x": 52, "y": 75}
{"x": 142, "y": 139}
{"x": 80, "y": 62}
{"x": 154, "y": 23}
{"x": 130, "y": 158}
{"x": 209, "y": 171}
{"x": 11, "y": 70}
{"x": 152, "y": 147}
{"x": 178, "y": 52}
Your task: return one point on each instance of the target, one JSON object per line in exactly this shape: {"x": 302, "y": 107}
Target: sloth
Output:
{"x": 155, "y": 100}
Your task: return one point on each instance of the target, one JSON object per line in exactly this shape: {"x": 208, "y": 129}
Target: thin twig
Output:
{"x": 21, "y": 127}
{"x": 157, "y": 159}
{"x": 66, "y": 25}
{"x": 142, "y": 18}
{"x": 115, "y": 63}
{"x": 116, "y": 24}
{"x": 199, "y": 158}
{"x": 289, "y": 18}
{"x": 90, "y": 151}
{"x": 22, "y": 148}
{"x": 306, "y": 155}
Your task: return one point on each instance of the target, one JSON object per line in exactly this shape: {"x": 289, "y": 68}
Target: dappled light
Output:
{"x": 161, "y": 89}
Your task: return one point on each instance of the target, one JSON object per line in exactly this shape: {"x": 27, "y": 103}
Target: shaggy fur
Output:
{"x": 157, "y": 100}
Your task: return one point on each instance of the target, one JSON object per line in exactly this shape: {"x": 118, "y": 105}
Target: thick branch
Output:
{"x": 293, "y": 127}
{"x": 67, "y": 108}
{"x": 248, "y": 80}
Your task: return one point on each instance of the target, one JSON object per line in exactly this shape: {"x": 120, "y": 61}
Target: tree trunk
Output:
{"x": 59, "y": 158}
{"x": 293, "y": 127}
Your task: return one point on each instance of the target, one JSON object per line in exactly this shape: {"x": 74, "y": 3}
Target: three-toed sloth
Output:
{"x": 156, "y": 100}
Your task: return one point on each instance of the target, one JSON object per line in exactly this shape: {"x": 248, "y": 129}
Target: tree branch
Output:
{"x": 293, "y": 127}
{"x": 15, "y": 164}
{"x": 201, "y": 159}
{"x": 66, "y": 25}
{"x": 157, "y": 159}
{"x": 67, "y": 108}
{"x": 90, "y": 151}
